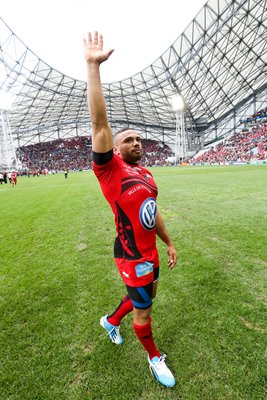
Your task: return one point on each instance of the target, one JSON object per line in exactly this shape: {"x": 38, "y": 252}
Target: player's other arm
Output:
{"x": 163, "y": 234}
{"x": 94, "y": 56}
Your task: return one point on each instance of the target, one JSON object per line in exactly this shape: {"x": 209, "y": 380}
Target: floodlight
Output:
{"x": 177, "y": 103}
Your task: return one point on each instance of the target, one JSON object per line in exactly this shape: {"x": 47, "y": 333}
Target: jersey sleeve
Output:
{"x": 107, "y": 170}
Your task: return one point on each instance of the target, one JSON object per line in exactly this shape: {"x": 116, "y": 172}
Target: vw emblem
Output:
{"x": 147, "y": 213}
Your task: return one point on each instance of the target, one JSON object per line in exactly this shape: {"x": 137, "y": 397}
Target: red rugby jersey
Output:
{"x": 131, "y": 192}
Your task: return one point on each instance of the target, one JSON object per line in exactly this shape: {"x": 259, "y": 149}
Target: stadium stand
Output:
{"x": 248, "y": 145}
{"x": 74, "y": 154}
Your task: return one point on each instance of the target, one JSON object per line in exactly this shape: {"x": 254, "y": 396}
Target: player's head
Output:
{"x": 127, "y": 145}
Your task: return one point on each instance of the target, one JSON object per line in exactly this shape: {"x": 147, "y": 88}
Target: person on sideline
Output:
{"x": 131, "y": 193}
{"x": 14, "y": 178}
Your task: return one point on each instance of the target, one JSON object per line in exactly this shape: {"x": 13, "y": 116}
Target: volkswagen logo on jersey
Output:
{"x": 147, "y": 213}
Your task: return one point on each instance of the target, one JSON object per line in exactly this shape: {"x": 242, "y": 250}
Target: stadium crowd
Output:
{"x": 74, "y": 154}
{"x": 57, "y": 155}
{"x": 248, "y": 145}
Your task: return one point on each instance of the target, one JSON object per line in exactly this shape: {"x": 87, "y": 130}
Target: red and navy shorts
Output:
{"x": 136, "y": 273}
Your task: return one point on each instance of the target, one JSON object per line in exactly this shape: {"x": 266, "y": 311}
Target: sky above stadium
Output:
{"x": 139, "y": 31}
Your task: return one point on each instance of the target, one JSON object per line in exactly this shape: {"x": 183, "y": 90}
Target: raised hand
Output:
{"x": 93, "y": 49}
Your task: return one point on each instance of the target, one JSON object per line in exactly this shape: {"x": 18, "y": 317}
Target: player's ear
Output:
{"x": 116, "y": 150}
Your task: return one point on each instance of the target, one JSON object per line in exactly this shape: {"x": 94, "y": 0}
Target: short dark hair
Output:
{"x": 126, "y": 128}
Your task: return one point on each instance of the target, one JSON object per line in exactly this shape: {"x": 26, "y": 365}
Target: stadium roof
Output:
{"x": 217, "y": 64}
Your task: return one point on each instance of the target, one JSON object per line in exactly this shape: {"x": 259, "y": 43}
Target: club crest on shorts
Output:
{"x": 147, "y": 213}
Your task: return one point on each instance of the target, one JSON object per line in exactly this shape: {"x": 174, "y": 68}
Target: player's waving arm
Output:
{"x": 94, "y": 56}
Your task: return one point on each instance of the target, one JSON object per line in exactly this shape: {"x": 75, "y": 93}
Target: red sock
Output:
{"x": 144, "y": 334}
{"x": 123, "y": 309}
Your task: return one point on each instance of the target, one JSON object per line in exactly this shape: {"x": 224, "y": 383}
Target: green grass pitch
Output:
{"x": 57, "y": 278}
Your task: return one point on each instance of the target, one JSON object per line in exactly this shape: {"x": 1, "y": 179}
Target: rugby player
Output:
{"x": 131, "y": 193}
